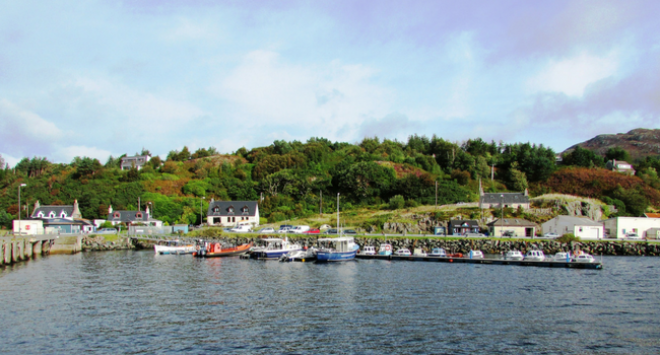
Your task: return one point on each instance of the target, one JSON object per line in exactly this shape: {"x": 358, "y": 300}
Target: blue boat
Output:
{"x": 273, "y": 248}
{"x": 385, "y": 249}
{"x": 336, "y": 249}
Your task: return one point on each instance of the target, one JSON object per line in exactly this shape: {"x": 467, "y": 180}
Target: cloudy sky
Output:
{"x": 107, "y": 77}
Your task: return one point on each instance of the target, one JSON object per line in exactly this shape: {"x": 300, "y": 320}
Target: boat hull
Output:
{"x": 241, "y": 249}
{"x": 271, "y": 254}
{"x": 327, "y": 256}
{"x": 174, "y": 250}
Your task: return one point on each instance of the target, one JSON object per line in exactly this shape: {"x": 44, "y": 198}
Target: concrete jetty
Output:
{"x": 15, "y": 249}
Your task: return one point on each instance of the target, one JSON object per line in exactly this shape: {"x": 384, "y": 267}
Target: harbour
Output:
{"x": 486, "y": 261}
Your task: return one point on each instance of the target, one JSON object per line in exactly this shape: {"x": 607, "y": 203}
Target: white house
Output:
{"x": 28, "y": 227}
{"x": 503, "y": 199}
{"x": 233, "y": 213}
{"x": 512, "y": 227}
{"x": 137, "y": 161}
{"x": 617, "y": 227}
{"x": 132, "y": 218}
{"x": 581, "y": 227}
{"x": 620, "y": 166}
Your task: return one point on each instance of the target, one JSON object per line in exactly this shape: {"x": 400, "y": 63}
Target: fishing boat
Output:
{"x": 175, "y": 248}
{"x": 210, "y": 250}
{"x": 274, "y": 248}
{"x": 513, "y": 255}
{"x": 584, "y": 258}
{"x": 419, "y": 252}
{"x": 403, "y": 252}
{"x": 455, "y": 255}
{"x": 385, "y": 249}
{"x": 368, "y": 250}
{"x": 336, "y": 249}
{"x": 438, "y": 252}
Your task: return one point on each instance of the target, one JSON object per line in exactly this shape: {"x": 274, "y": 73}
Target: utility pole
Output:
{"x": 321, "y": 203}
{"x": 201, "y": 219}
{"x": 19, "y": 208}
{"x": 338, "y": 212}
{"x": 436, "y": 194}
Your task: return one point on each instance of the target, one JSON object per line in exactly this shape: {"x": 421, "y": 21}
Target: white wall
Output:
{"x": 619, "y": 226}
{"x": 29, "y": 227}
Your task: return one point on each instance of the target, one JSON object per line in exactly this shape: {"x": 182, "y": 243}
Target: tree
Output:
{"x": 617, "y": 153}
{"x": 584, "y": 158}
{"x": 397, "y": 202}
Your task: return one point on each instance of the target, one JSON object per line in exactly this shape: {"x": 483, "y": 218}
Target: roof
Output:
{"x": 652, "y": 215}
{"x": 55, "y": 210}
{"x": 512, "y": 222}
{"x": 129, "y": 216}
{"x": 233, "y": 208}
{"x": 577, "y": 220}
{"x": 504, "y": 197}
{"x": 461, "y": 222}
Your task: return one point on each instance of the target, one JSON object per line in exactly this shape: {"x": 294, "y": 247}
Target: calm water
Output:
{"x": 135, "y": 302}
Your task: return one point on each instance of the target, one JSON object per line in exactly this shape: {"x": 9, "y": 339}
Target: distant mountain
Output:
{"x": 639, "y": 142}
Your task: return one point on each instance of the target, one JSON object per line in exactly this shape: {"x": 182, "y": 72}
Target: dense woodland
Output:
{"x": 291, "y": 177}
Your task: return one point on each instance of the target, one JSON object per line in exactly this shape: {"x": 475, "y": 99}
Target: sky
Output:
{"x": 98, "y": 78}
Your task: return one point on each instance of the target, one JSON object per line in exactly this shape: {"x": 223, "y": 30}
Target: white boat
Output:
{"x": 535, "y": 255}
{"x": 513, "y": 255}
{"x": 475, "y": 254}
{"x": 300, "y": 255}
{"x": 562, "y": 256}
{"x": 336, "y": 249}
{"x": 273, "y": 248}
{"x": 368, "y": 250}
{"x": 583, "y": 258}
{"x": 385, "y": 249}
{"x": 438, "y": 252}
{"x": 402, "y": 252}
{"x": 419, "y": 252}
{"x": 175, "y": 247}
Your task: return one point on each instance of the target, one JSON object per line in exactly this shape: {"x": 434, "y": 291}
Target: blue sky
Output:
{"x": 100, "y": 78}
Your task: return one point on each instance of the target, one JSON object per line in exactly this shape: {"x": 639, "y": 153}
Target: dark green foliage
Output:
{"x": 397, "y": 202}
{"x": 618, "y": 153}
{"x": 584, "y": 158}
{"x": 567, "y": 238}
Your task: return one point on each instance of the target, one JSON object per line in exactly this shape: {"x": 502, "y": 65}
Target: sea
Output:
{"x": 135, "y": 302}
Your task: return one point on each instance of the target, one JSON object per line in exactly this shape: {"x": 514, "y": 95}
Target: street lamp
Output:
{"x": 19, "y": 207}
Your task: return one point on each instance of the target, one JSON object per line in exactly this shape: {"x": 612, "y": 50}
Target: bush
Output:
{"x": 567, "y": 238}
{"x": 263, "y": 220}
{"x": 397, "y": 202}
{"x": 411, "y": 203}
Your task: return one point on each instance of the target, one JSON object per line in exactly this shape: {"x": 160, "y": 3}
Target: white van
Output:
{"x": 244, "y": 228}
{"x": 299, "y": 229}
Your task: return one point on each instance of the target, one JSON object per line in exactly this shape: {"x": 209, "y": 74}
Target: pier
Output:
{"x": 551, "y": 264}
{"x": 15, "y": 249}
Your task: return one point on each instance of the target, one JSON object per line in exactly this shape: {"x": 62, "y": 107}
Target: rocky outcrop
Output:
{"x": 98, "y": 243}
{"x": 640, "y": 143}
{"x": 577, "y": 208}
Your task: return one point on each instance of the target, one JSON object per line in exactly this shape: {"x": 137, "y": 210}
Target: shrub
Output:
{"x": 567, "y": 238}
{"x": 397, "y": 202}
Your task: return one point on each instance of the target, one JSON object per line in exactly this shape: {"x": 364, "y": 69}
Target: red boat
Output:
{"x": 455, "y": 255}
{"x": 216, "y": 249}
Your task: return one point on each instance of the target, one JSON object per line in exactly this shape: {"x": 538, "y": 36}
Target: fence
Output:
{"x": 147, "y": 230}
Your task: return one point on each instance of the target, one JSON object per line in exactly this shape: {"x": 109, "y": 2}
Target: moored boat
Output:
{"x": 385, "y": 249}
{"x": 419, "y": 252}
{"x": 175, "y": 248}
{"x": 336, "y": 249}
{"x": 535, "y": 255}
{"x": 513, "y": 255}
{"x": 475, "y": 254}
{"x": 438, "y": 252}
{"x": 274, "y": 248}
{"x": 583, "y": 258}
{"x": 368, "y": 250}
{"x": 305, "y": 254}
{"x": 403, "y": 252}
{"x": 210, "y": 250}
{"x": 562, "y": 256}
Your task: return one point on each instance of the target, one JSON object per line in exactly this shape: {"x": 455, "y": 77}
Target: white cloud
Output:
{"x": 571, "y": 76}
{"x": 321, "y": 98}
{"x": 22, "y": 130}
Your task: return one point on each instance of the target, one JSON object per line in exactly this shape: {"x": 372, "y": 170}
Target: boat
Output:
{"x": 513, "y": 255}
{"x": 562, "y": 256}
{"x": 535, "y": 255}
{"x": 273, "y": 248}
{"x": 475, "y": 254}
{"x": 210, "y": 250}
{"x": 582, "y": 257}
{"x": 336, "y": 249}
{"x": 385, "y": 249}
{"x": 368, "y": 250}
{"x": 174, "y": 247}
{"x": 438, "y": 252}
{"x": 402, "y": 252}
{"x": 305, "y": 254}
{"x": 419, "y": 252}
{"x": 455, "y": 255}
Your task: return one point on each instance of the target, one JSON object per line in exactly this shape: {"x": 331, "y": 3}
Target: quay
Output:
{"x": 14, "y": 249}
{"x": 552, "y": 264}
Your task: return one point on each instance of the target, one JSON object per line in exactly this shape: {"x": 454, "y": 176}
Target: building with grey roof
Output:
{"x": 132, "y": 218}
{"x": 503, "y": 199}
{"x": 137, "y": 161}
{"x": 69, "y": 212}
{"x": 233, "y": 213}
{"x": 512, "y": 227}
{"x": 581, "y": 227}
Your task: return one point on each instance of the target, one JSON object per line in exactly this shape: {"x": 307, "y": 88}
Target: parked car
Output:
{"x": 285, "y": 228}
{"x": 474, "y": 235}
{"x": 509, "y": 234}
{"x": 313, "y": 231}
{"x": 551, "y": 235}
{"x": 633, "y": 236}
{"x": 350, "y": 231}
{"x": 106, "y": 231}
{"x": 266, "y": 230}
{"x": 242, "y": 229}
{"x": 299, "y": 229}
{"x": 331, "y": 231}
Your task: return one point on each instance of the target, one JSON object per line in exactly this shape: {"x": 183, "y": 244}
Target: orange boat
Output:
{"x": 216, "y": 249}
{"x": 455, "y": 255}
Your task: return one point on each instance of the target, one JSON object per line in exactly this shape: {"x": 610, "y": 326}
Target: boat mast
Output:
{"x": 338, "y": 212}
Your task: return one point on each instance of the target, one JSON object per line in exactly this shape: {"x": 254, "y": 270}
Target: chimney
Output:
{"x": 110, "y": 209}
{"x": 36, "y": 206}
{"x": 76, "y": 210}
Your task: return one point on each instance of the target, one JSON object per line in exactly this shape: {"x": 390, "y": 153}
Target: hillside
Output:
{"x": 639, "y": 143}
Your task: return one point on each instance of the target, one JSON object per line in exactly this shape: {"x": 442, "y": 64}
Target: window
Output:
{"x": 116, "y": 215}
{"x": 40, "y": 215}
{"x": 51, "y": 214}
{"x": 230, "y": 209}
{"x": 216, "y": 209}
{"x": 63, "y": 214}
